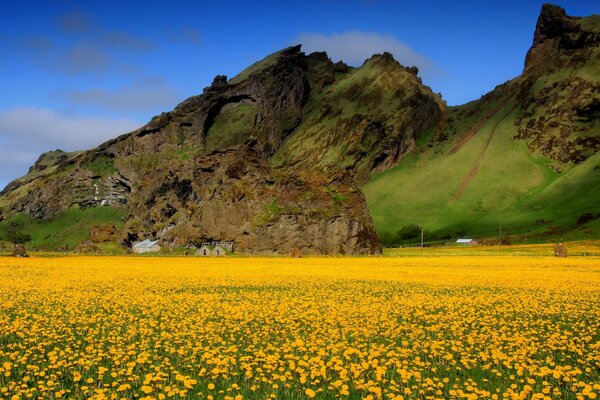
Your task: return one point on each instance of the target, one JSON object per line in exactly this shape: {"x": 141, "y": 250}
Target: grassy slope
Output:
{"x": 471, "y": 192}
{"x": 231, "y": 127}
{"x": 257, "y": 66}
{"x": 324, "y": 139}
{"x": 512, "y": 186}
{"x": 68, "y": 229}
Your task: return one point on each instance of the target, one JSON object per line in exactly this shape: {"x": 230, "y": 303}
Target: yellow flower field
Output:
{"x": 377, "y": 328}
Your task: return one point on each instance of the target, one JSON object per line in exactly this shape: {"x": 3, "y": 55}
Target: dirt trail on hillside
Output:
{"x": 475, "y": 167}
{"x": 480, "y": 123}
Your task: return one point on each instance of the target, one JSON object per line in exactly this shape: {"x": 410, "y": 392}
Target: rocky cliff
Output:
{"x": 560, "y": 87}
{"x": 234, "y": 194}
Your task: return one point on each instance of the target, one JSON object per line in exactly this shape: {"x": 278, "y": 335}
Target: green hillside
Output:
{"x": 66, "y": 230}
{"x": 525, "y": 158}
{"x": 470, "y": 188}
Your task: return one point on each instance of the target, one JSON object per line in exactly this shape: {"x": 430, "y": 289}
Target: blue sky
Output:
{"x": 76, "y": 73}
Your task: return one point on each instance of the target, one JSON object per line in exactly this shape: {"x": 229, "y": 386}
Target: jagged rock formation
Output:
{"x": 560, "y": 87}
{"x": 236, "y": 194}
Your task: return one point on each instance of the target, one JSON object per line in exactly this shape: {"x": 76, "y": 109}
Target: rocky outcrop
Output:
{"x": 364, "y": 121}
{"x": 557, "y": 38}
{"x": 49, "y": 159}
{"x": 220, "y": 166}
{"x": 235, "y": 195}
{"x": 558, "y": 91}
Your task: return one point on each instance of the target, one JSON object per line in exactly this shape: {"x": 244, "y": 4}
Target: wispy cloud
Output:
{"x": 185, "y": 35}
{"x": 146, "y": 94}
{"x": 75, "y": 22}
{"x": 25, "y": 132}
{"x": 49, "y": 129}
{"x": 85, "y": 57}
{"x": 125, "y": 41}
{"x": 354, "y": 47}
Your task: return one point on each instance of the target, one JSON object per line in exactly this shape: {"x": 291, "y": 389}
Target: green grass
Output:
{"x": 102, "y": 166}
{"x": 257, "y": 66}
{"x": 512, "y": 187}
{"x": 231, "y": 127}
{"x": 66, "y": 230}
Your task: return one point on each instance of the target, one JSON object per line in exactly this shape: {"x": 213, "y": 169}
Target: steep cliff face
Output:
{"x": 559, "y": 37}
{"x": 560, "y": 87}
{"x": 235, "y": 194}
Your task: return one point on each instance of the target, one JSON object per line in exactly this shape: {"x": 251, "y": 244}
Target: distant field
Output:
{"x": 587, "y": 248}
{"x": 234, "y": 328}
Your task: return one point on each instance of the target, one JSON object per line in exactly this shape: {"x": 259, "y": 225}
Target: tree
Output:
{"x": 18, "y": 239}
{"x": 16, "y": 236}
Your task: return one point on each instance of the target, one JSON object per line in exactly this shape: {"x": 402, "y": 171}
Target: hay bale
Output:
{"x": 560, "y": 250}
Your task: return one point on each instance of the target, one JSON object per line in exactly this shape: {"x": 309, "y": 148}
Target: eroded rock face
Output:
{"x": 559, "y": 95}
{"x": 235, "y": 195}
{"x": 558, "y": 35}
{"x": 558, "y": 120}
{"x": 276, "y": 94}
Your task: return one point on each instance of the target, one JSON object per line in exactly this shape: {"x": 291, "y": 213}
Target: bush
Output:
{"x": 16, "y": 236}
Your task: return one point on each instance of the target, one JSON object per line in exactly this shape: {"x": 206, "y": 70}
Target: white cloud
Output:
{"x": 146, "y": 94}
{"x": 354, "y": 47}
{"x": 47, "y": 127}
{"x": 26, "y": 132}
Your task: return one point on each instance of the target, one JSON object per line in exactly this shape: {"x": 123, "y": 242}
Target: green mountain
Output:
{"x": 279, "y": 157}
{"x": 522, "y": 159}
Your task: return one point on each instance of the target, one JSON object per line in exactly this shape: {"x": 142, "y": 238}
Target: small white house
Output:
{"x": 469, "y": 242}
{"x": 218, "y": 251}
{"x": 204, "y": 251}
{"x": 146, "y": 246}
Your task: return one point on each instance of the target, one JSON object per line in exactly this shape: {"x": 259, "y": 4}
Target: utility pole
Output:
{"x": 500, "y": 234}
{"x": 421, "y": 237}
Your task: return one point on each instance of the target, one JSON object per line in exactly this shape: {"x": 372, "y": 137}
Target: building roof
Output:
{"x": 464, "y": 240}
{"x": 146, "y": 244}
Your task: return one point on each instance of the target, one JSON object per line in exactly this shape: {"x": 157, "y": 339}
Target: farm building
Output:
{"x": 146, "y": 246}
{"x": 468, "y": 242}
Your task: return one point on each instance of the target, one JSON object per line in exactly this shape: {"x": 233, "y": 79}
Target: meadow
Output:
{"x": 501, "y": 327}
